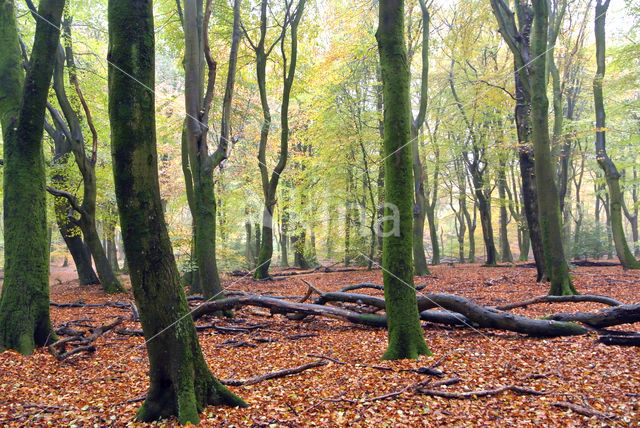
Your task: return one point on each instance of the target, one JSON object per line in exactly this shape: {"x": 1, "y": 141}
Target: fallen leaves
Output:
{"x": 353, "y": 387}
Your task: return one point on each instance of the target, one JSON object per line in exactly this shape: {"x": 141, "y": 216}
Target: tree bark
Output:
{"x": 420, "y": 201}
{"x": 270, "y": 185}
{"x": 548, "y": 204}
{"x": 405, "y": 334}
{"x": 517, "y": 38}
{"x": 611, "y": 173}
{"x": 24, "y": 302}
{"x": 85, "y": 164}
{"x": 180, "y": 381}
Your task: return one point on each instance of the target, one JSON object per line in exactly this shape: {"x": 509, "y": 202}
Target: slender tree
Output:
{"x": 86, "y": 163}
{"x": 406, "y": 339}
{"x": 181, "y": 383}
{"x": 24, "y": 303}
{"x": 548, "y": 202}
{"x": 517, "y": 36}
{"x": 70, "y": 232}
{"x": 270, "y": 184}
{"x": 420, "y": 200}
{"x": 611, "y": 173}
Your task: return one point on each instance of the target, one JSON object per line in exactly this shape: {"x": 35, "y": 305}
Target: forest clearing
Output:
{"x": 105, "y": 387}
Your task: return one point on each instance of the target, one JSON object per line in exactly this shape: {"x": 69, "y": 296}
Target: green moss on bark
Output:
{"x": 181, "y": 384}
{"x": 548, "y": 201}
{"x": 405, "y": 333}
{"x": 24, "y": 303}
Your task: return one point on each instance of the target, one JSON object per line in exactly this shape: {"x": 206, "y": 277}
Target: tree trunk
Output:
{"x": 85, "y": 164}
{"x": 405, "y": 333}
{"x": 420, "y": 201}
{"x": 270, "y": 184}
{"x": 484, "y": 207}
{"x": 517, "y": 37}
{"x": 505, "y": 248}
{"x": 611, "y": 173}
{"x": 71, "y": 233}
{"x": 548, "y": 204}
{"x": 180, "y": 381}
{"x": 249, "y": 246}
{"x": 24, "y": 303}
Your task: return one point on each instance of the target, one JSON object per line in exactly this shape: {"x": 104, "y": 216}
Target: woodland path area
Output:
{"x": 353, "y": 388}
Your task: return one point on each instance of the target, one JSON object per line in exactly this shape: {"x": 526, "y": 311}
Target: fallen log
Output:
{"x": 558, "y": 299}
{"x": 273, "y": 375}
{"x": 373, "y": 286}
{"x": 82, "y": 304}
{"x": 623, "y": 314}
{"x": 473, "y": 315}
{"x": 615, "y": 340}
{"x": 286, "y": 307}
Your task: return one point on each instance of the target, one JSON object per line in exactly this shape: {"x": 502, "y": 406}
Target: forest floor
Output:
{"x": 105, "y": 388}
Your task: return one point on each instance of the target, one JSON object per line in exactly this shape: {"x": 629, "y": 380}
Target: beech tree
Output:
{"x": 406, "y": 339}
{"x": 420, "y": 201}
{"x": 24, "y": 303}
{"x": 198, "y": 164}
{"x": 548, "y": 201}
{"x": 292, "y": 18}
{"x": 181, "y": 383}
{"x": 69, "y": 121}
{"x": 611, "y": 173}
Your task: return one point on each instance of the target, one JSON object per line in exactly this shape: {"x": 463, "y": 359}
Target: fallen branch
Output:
{"x": 273, "y": 375}
{"x": 557, "y": 299}
{"x": 477, "y": 394}
{"x": 466, "y": 312}
{"x": 585, "y": 411}
{"x": 81, "y": 304}
{"x": 623, "y": 314}
{"x": 82, "y": 343}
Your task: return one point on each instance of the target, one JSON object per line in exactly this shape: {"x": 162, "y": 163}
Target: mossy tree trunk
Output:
{"x": 85, "y": 163}
{"x": 548, "y": 203}
{"x": 270, "y": 184}
{"x": 70, "y": 232}
{"x": 406, "y": 339}
{"x": 626, "y": 257}
{"x": 24, "y": 303}
{"x": 180, "y": 381}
